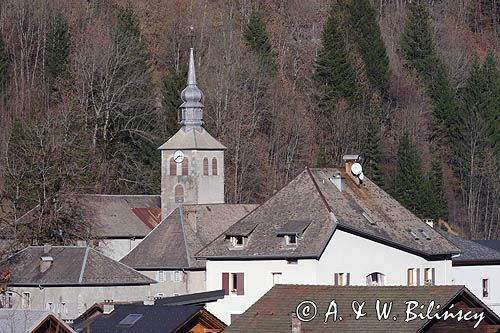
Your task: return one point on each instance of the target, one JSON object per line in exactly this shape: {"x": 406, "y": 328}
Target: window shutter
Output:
{"x": 348, "y": 279}
{"x": 225, "y": 283}
{"x": 433, "y": 276}
{"x": 418, "y": 276}
{"x": 179, "y": 193}
{"x": 409, "y": 276}
{"x": 241, "y": 286}
{"x": 336, "y": 279}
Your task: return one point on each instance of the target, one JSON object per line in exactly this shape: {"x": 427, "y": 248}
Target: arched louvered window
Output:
{"x": 205, "y": 166}
{"x": 185, "y": 167}
{"x": 179, "y": 193}
{"x": 214, "y": 166}
{"x": 173, "y": 167}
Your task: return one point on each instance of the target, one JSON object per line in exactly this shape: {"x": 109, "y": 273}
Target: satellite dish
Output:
{"x": 357, "y": 169}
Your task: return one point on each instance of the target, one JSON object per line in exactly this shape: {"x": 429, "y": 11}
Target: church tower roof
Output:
{"x": 192, "y": 135}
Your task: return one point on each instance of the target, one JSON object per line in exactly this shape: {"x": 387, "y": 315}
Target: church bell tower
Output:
{"x": 192, "y": 161}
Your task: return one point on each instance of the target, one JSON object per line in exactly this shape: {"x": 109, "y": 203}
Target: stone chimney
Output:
{"x": 47, "y": 248}
{"x": 45, "y": 263}
{"x": 296, "y": 324}
{"x": 107, "y": 308}
{"x": 429, "y": 222}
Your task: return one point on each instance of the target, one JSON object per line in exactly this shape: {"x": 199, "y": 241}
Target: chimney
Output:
{"x": 296, "y": 324}
{"x": 47, "y": 248}
{"x": 429, "y": 222}
{"x": 107, "y": 308}
{"x": 45, "y": 263}
{"x": 349, "y": 160}
{"x": 338, "y": 181}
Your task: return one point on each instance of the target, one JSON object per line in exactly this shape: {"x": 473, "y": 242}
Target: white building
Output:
{"x": 67, "y": 280}
{"x": 478, "y": 268}
{"x": 324, "y": 227}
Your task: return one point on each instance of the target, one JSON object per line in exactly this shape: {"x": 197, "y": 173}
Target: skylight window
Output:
{"x": 130, "y": 320}
{"x": 413, "y": 234}
{"x": 425, "y": 234}
{"x": 368, "y": 218}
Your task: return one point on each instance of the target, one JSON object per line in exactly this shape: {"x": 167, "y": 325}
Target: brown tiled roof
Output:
{"x": 149, "y": 216}
{"x": 173, "y": 243}
{"x": 272, "y": 312}
{"x": 312, "y": 198}
{"x": 113, "y": 216}
{"x": 71, "y": 265}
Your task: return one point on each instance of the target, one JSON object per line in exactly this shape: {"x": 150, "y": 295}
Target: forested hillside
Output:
{"x": 89, "y": 89}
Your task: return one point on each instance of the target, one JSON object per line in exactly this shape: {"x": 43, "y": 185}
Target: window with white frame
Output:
{"x": 342, "y": 279}
{"x": 276, "y": 278}
{"x": 49, "y": 306}
{"x": 486, "y": 287}
{"x": 291, "y": 240}
{"x": 413, "y": 276}
{"x": 176, "y": 276}
{"x": 429, "y": 276}
{"x": 8, "y": 299}
{"x": 63, "y": 308}
{"x": 160, "y": 276}
{"x": 375, "y": 279}
{"x": 26, "y": 300}
{"x": 237, "y": 241}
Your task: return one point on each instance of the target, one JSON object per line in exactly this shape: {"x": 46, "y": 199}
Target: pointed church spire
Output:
{"x": 192, "y": 96}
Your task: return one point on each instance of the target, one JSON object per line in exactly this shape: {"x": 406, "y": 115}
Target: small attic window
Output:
{"x": 368, "y": 218}
{"x": 425, "y": 234}
{"x": 237, "y": 241}
{"x": 413, "y": 234}
{"x": 291, "y": 240}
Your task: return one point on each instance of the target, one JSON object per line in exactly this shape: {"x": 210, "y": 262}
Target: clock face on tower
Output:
{"x": 178, "y": 156}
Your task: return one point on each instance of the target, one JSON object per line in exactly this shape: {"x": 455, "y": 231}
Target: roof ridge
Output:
{"x": 327, "y": 205}
{"x": 122, "y": 264}
{"x": 84, "y": 264}
{"x": 181, "y": 214}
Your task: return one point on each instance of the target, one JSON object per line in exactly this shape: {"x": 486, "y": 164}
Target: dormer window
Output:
{"x": 291, "y": 240}
{"x": 237, "y": 241}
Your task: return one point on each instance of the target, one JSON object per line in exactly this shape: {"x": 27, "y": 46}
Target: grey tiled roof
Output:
{"x": 471, "y": 251}
{"x": 192, "y": 139}
{"x": 72, "y": 265}
{"x": 492, "y": 244}
{"x": 173, "y": 243}
{"x": 313, "y": 198}
{"x": 272, "y": 312}
{"x": 112, "y": 216}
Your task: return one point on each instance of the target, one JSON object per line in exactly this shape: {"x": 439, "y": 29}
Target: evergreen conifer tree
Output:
{"x": 373, "y": 152}
{"x": 57, "y": 51}
{"x": 409, "y": 185}
{"x": 418, "y": 47}
{"x": 322, "y": 158}
{"x": 363, "y": 22}
{"x": 438, "y": 203}
{"x": 173, "y": 83}
{"x": 334, "y": 71}
{"x": 257, "y": 38}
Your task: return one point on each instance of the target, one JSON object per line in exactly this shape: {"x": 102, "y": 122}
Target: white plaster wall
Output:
{"x": 198, "y": 189}
{"x": 472, "y": 277}
{"x": 192, "y": 282}
{"x": 117, "y": 248}
{"x": 78, "y": 299}
{"x": 360, "y": 257}
{"x": 344, "y": 253}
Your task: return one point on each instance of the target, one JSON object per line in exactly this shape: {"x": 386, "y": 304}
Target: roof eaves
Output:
{"x": 426, "y": 255}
